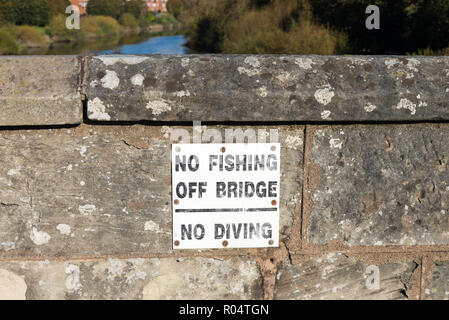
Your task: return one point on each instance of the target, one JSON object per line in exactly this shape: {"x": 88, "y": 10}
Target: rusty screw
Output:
{"x": 176, "y": 243}
{"x": 273, "y": 148}
{"x": 225, "y": 243}
{"x": 270, "y": 242}
{"x": 223, "y": 149}
{"x": 273, "y": 202}
{"x": 176, "y": 201}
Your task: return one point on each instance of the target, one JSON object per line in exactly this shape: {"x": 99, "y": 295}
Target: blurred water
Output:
{"x": 128, "y": 44}
{"x": 155, "y": 45}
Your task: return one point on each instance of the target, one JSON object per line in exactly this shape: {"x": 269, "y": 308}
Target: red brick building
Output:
{"x": 156, "y": 5}
{"x": 150, "y": 5}
{"x": 82, "y": 4}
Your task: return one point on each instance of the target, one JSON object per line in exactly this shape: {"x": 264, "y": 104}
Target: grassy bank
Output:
{"x": 15, "y": 39}
{"x": 21, "y": 39}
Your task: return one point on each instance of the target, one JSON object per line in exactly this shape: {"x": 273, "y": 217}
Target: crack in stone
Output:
{"x": 5, "y": 204}
{"x": 131, "y": 145}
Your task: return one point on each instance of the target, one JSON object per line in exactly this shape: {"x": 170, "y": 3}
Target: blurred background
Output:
{"x": 409, "y": 27}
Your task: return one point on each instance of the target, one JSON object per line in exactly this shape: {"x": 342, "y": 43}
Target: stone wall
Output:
{"x": 85, "y": 178}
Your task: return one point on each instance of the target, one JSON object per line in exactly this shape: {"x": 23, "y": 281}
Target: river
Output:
{"x": 155, "y": 45}
{"x": 131, "y": 44}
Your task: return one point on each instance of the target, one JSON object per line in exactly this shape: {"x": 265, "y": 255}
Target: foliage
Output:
{"x": 145, "y": 20}
{"x": 164, "y": 18}
{"x": 7, "y": 12}
{"x": 57, "y": 28}
{"x": 111, "y": 8}
{"x": 91, "y": 27}
{"x": 430, "y": 52}
{"x": 99, "y": 26}
{"x": 160, "y": 18}
{"x": 29, "y": 36}
{"x": 249, "y": 26}
{"x": 134, "y": 7}
{"x": 58, "y": 6}
{"x": 21, "y": 12}
{"x": 175, "y": 7}
{"x": 178, "y": 7}
{"x": 129, "y": 21}
{"x": 313, "y": 26}
{"x": 8, "y": 43}
{"x": 204, "y": 21}
{"x": 405, "y": 25}
{"x": 151, "y": 17}
{"x": 254, "y": 32}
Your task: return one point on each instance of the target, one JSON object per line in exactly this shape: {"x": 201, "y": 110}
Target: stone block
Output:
{"x": 438, "y": 287}
{"x": 267, "y": 88}
{"x": 131, "y": 279}
{"x": 338, "y": 277}
{"x": 40, "y": 90}
{"x": 377, "y": 185}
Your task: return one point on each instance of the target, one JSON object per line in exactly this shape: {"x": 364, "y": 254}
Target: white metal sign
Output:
{"x": 225, "y": 195}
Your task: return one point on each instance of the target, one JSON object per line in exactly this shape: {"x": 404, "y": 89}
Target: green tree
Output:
{"x": 8, "y": 44}
{"x": 134, "y": 7}
{"x": 58, "y": 29}
{"x": 31, "y": 12}
{"x": 58, "y": 6}
{"x": 111, "y": 8}
{"x": 7, "y": 12}
{"x": 175, "y": 7}
{"x": 128, "y": 20}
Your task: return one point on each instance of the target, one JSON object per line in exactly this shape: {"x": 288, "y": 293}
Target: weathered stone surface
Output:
{"x": 199, "y": 279}
{"x": 336, "y": 276}
{"x": 438, "y": 288}
{"x": 166, "y": 278}
{"x": 96, "y": 190}
{"x": 40, "y": 90}
{"x": 378, "y": 185}
{"x": 12, "y": 286}
{"x": 267, "y": 88}
{"x": 84, "y": 191}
